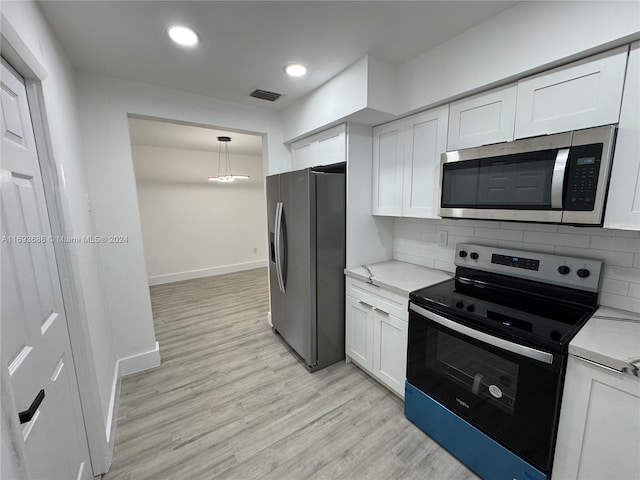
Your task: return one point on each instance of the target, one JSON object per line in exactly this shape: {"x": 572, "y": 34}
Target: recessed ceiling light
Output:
{"x": 295, "y": 69}
{"x": 183, "y": 36}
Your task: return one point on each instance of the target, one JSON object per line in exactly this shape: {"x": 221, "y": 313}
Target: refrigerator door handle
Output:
{"x": 278, "y": 228}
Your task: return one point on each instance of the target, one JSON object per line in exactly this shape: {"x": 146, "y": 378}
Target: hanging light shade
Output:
{"x": 225, "y": 174}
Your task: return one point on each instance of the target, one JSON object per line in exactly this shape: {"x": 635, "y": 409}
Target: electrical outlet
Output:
{"x": 443, "y": 236}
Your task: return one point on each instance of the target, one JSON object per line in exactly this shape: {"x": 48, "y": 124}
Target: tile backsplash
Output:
{"x": 416, "y": 241}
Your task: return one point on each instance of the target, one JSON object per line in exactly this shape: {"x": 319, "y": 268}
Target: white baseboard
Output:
{"x": 205, "y": 272}
{"x": 269, "y": 321}
{"x": 140, "y": 362}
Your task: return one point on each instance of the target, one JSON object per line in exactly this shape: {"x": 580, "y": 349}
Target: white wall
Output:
{"x": 416, "y": 241}
{"x": 24, "y": 22}
{"x": 524, "y": 39}
{"x": 341, "y": 96}
{"x": 104, "y": 103}
{"x": 196, "y": 229}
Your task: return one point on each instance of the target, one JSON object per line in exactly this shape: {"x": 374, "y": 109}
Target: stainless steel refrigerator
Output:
{"x": 306, "y": 216}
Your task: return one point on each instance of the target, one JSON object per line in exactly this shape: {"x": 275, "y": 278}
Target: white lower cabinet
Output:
{"x": 390, "y": 350}
{"x": 599, "y": 430}
{"x": 376, "y": 340}
{"x": 359, "y": 332}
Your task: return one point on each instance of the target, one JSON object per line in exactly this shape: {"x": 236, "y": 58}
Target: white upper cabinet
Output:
{"x": 406, "y": 164}
{"x": 388, "y": 157}
{"x": 425, "y": 141}
{"x": 582, "y": 94}
{"x": 324, "y": 148}
{"x": 483, "y": 119}
{"x": 623, "y": 202}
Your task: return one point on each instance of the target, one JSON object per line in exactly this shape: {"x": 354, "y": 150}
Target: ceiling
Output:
{"x": 186, "y": 137}
{"x": 244, "y": 45}
{"x": 199, "y": 157}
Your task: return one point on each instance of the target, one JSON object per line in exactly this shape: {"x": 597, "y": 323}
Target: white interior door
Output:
{"x": 35, "y": 340}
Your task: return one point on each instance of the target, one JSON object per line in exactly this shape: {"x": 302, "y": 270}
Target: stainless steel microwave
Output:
{"x": 561, "y": 178}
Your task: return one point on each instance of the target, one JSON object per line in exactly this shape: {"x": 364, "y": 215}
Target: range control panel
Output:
{"x": 518, "y": 262}
{"x": 580, "y": 273}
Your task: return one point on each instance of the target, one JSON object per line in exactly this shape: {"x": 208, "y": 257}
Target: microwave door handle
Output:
{"x": 557, "y": 178}
{"x": 516, "y": 348}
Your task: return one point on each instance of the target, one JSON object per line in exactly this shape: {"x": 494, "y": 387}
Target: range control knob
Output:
{"x": 583, "y": 273}
{"x": 462, "y": 253}
{"x": 474, "y": 256}
{"x": 470, "y": 308}
{"x": 563, "y": 269}
{"x": 459, "y": 304}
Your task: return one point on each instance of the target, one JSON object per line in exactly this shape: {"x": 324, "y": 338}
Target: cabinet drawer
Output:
{"x": 580, "y": 95}
{"x": 379, "y": 298}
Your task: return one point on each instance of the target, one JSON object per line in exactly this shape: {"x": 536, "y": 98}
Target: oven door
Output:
{"x": 519, "y": 186}
{"x": 509, "y": 391}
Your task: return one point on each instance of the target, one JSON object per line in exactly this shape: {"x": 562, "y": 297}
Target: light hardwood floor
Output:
{"x": 230, "y": 401}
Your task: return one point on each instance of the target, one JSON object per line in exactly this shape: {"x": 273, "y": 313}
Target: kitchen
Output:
{"x": 421, "y": 83}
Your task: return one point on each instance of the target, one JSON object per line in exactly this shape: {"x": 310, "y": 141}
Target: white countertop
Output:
{"x": 611, "y": 338}
{"x": 399, "y": 277}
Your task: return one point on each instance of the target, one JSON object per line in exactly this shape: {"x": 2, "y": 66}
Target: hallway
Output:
{"x": 230, "y": 401}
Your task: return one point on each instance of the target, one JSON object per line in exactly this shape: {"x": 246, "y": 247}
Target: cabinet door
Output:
{"x": 425, "y": 140}
{"x": 390, "y": 350}
{"x": 482, "y": 119}
{"x": 359, "y": 332}
{"x": 599, "y": 430}
{"x": 579, "y": 95}
{"x": 623, "y": 202}
{"x": 388, "y": 155}
{"x": 324, "y": 148}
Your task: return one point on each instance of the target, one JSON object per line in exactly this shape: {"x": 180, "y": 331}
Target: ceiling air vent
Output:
{"x": 265, "y": 95}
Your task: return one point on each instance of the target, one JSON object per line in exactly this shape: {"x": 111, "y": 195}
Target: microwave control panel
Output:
{"x": 582, "y": 179}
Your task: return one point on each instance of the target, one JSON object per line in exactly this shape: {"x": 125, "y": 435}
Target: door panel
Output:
{"x": 390, "y": 351}
{"x": 35, "y": 340}
{"x": 359, "y": 332}
{"x": 292, "y": 315}
{"x": 388, "y": 152}
{"x": 426, "y": 140}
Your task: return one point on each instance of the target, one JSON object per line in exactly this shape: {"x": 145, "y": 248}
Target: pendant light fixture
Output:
{"x": 223, "y": 156}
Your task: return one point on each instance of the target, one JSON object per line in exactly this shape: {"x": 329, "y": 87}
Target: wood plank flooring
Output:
{"x": 230, "y": 401}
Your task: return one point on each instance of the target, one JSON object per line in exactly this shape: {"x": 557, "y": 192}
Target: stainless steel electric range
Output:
{"x": 487, "y": 354}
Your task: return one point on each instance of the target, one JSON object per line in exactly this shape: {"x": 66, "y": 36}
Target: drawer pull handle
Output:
{"x": 591, "y": 362}
{"x": 364, "y": 304}
{"x": 381, "y": 311}
{"x": 27, "y": 415}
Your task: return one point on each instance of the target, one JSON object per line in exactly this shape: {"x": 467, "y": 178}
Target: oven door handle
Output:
{"x": 516, "y": 348}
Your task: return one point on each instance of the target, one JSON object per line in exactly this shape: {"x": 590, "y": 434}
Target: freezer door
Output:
{"x": 273, "y": 198}
{"x": 293, "y": 312}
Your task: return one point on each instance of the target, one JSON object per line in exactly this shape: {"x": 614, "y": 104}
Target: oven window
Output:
{"x": 513, "y": 181}
{"x": 482, "y": 373}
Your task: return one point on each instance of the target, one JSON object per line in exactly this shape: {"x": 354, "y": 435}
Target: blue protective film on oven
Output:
{"x": 480, "y": 453}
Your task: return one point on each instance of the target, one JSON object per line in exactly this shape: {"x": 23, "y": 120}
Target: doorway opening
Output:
{"x": 193, "y": 227}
